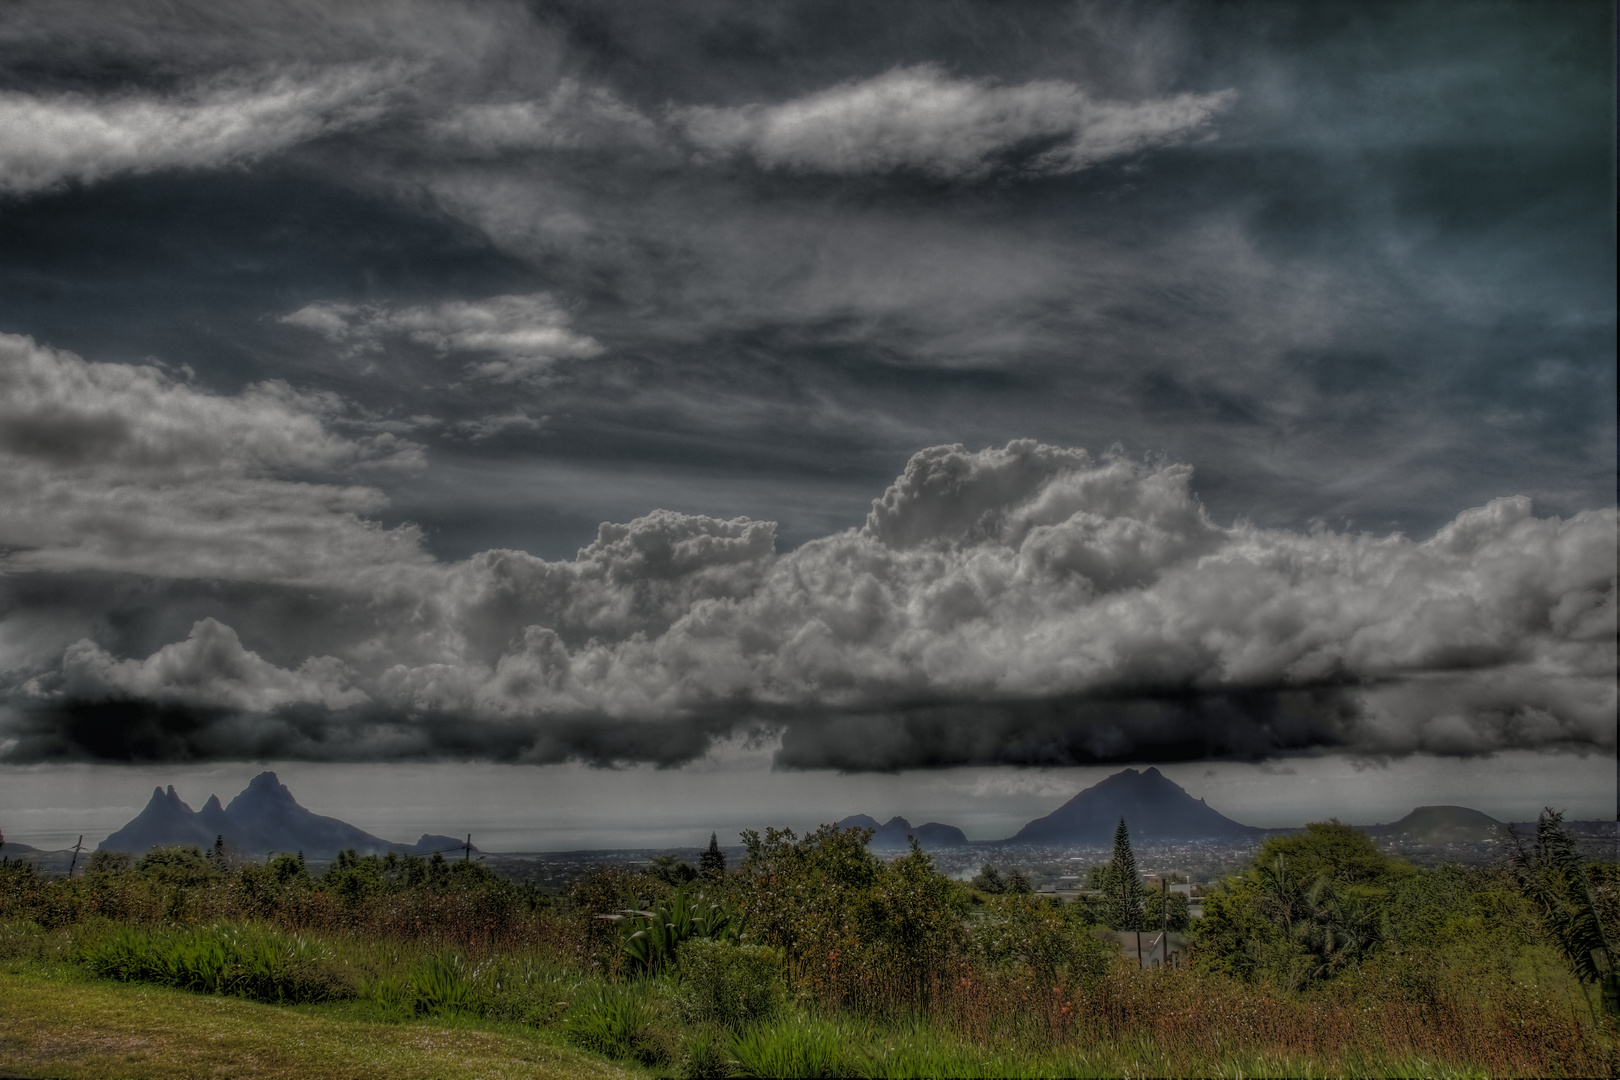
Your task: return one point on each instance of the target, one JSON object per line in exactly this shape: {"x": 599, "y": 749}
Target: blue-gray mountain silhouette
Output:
{"x": 1155, "y": 808}
{"x": 263, "y": 818}
{"x": 1441, "y": 825}
{"x": 895, "y": 832}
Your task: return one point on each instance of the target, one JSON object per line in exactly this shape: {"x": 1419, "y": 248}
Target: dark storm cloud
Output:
{"x": 360, "y": 296}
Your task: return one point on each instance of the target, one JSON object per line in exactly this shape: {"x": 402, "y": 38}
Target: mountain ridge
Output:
{"x": 897, "y": 832}
{"x": 264, "y": 817}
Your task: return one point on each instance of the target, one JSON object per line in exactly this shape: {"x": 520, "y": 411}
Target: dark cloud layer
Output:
{"x": 329, "y": 332}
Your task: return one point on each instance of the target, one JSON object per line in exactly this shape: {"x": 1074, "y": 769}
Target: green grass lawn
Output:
{"x": 55, "y": 1024}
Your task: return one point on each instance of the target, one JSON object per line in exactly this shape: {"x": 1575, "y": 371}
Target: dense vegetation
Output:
{"x": 817, "y": 958}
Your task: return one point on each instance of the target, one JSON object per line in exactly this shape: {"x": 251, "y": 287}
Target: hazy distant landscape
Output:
{"x": 857, "y": 949}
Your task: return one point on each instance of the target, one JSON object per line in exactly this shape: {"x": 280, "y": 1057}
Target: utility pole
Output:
{"x": 1164, "y": 910}
{"x": 466, "y": 849}
{"x": 74, "y": 864}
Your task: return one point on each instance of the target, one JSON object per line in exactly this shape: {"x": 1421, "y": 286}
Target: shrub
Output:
{"x": 705, "y": 1057}
{"x": 178, "y": 866}
{"x": 802, "y": 1047}
{"x": 731, "y": 985}
{"x": 618, "y": 1022}
{"x": 440, "y": 985}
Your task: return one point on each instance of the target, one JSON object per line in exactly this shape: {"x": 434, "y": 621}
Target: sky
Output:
{"x": 593, "y": 418}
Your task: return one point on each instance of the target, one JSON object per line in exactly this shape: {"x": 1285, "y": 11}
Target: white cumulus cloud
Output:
{"x": 922, "y": 118}
{"x": 211, "y": 668}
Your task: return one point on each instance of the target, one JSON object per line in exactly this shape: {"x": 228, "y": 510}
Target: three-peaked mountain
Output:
{"x": 263, "y": 818}
{"x": 897, "y": 832}
{"x": 1155, "y": 809}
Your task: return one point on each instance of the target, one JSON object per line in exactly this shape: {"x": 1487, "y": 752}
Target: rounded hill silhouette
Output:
{"x": 1155, "y": 808}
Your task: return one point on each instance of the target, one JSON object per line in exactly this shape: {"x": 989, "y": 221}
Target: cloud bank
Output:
{"x": 922, "y": 119}
{"x": 1028, "y": 604}
{"x": 115, "y": 468}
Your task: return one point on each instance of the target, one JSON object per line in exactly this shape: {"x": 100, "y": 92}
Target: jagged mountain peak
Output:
{"x": 263, "y": 817}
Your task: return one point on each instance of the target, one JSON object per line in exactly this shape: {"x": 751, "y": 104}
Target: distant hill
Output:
{"x": 894, "y": 833}
{"x": 1441, "y": 825}
{"x": 263, "y": 818}
{"x": 1154, "y": 807}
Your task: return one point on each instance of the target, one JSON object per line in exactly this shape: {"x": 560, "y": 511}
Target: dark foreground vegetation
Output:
{"x": 817, "y": 959}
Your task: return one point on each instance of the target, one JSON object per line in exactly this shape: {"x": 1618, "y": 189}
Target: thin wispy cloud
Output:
{"x": 523, "y": 335}
{"x": 574, "y": 116}
{"x": 921, "y": 118}
{"x": 49, "y": 140}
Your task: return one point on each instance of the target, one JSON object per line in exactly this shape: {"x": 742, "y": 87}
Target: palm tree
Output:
{"x": 1552, "y": 875}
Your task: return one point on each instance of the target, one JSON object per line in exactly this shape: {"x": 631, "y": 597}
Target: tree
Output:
{"x": 1342, "y": 852}
{"x": 1122, "y": 884}
{"x": 1552, "y": 875}
{"x": 672, "y": 870}
{"x": 712, "y": 863}
{"x": 989, "y": 880}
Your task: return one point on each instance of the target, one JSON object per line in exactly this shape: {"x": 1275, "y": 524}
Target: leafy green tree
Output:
{"x": 989, "y": 880}
{"x": 672, "y": 869}
{"x": 1122, "y": 885}
{"x": 108, "y": 862}
{"x": 712, "y": 863}
{"x": 1341, "y": 852}
{"x": 177, "y": 866}
{"x": 1312, "y": 905}
{"x": 1176, "y": 914}
{"x": 1018, "y": 884}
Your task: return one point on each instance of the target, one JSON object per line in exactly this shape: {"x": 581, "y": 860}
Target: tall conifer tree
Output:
{"x": 712, "y": 863}
{"x": 1123, "y": 897}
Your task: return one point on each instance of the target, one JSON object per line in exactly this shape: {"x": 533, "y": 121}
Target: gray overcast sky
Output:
{"x": 989, "y": 387}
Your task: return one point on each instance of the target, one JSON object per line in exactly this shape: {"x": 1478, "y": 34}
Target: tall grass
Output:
{"x": 259, "y": 963}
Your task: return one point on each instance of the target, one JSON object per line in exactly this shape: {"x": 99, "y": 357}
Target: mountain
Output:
{"x": 166, "y": 820}
{"x": 895, "y": 832}
{"x": 263, "y": 818}
{"x": 1155, "y": 808}
{"x": 268, "y": 818}
{"x": 1441, "y": 825}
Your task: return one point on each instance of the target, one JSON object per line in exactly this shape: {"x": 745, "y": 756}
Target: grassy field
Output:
{"x": 59, "y": 1024}
{"x": 1326, "y": 958}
